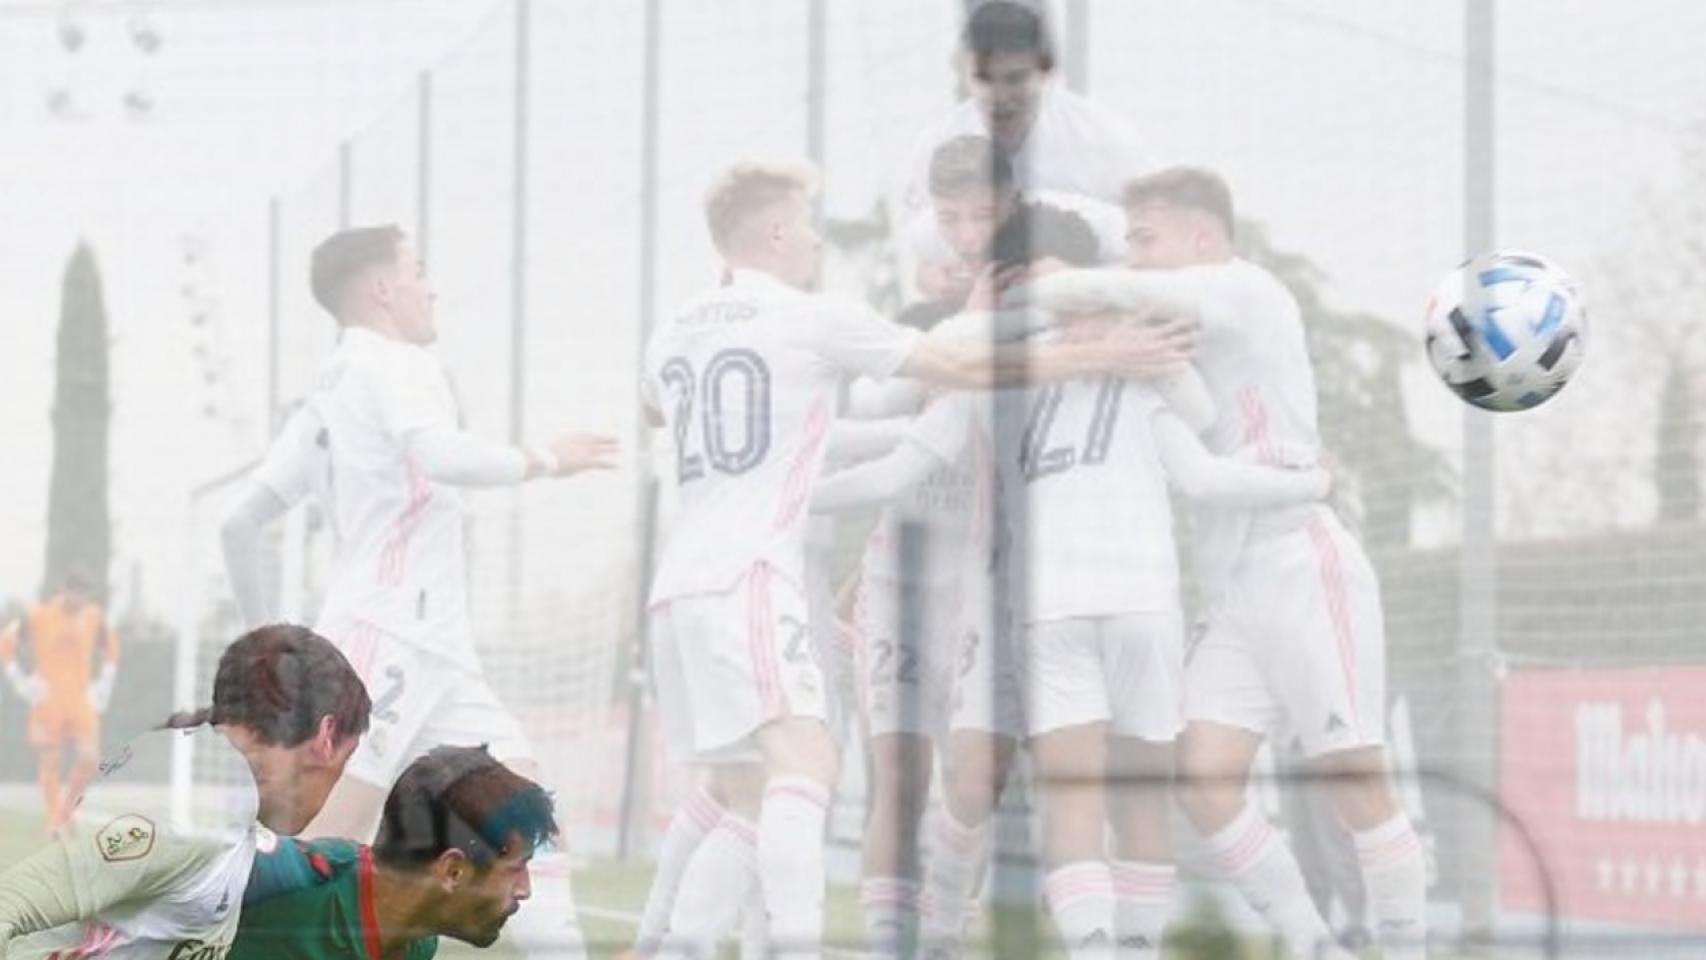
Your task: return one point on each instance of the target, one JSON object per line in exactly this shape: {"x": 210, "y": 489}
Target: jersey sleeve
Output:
{"x": 97, "y": 863}
{"x": 856, "y": 339}
{"x": 287, "y": 469}
{"x": 292, "y": 866}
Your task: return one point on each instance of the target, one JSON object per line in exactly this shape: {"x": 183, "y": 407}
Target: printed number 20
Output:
{"x": 737, "y": 369}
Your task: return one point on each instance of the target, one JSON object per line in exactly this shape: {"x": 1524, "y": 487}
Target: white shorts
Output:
{"x": 905, "y": 671}
{"x": 422, "y": 700}
{"x": 988, "y": 687}
{"x": 1296, "y": 647}
{"x": 1125, "y": 670}
{"x": 729, "y": 663}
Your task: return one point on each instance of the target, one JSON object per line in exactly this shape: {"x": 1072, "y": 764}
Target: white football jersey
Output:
{"x": 155, "y": 887}
{"x": 400, "y": 562}
{"x": 1098, "y": 524}
{"x": 747, "y": 377}
{"x": 1075, "y": 146}
{"x": 940, "y": 509}
{"x": 1254, "y": 358}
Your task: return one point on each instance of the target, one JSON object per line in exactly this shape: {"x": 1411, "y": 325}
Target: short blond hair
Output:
{"x": 1190, "y": 188}
{"x": 748, "y": 187}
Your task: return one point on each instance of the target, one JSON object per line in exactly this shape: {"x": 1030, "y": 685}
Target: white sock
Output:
{"x": 1081, "y": 897}
{"x": 755, "y": 926}
{"x": 712, "y": 889}
{"x": 891, "y": 914}
{"x": 950, "y": 873}
{"x": 547, "y": 927}
{"x": 1396, "y": 878}
{"x": 1143, "y": 896}
{"x": 687, "y": 829}
{"x": 1264, "y": 870}
{"x": 790, "y": 863}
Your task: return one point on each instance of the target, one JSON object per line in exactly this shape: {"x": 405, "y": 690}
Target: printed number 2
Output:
{"x": 1039, "y": 460}
{"x": 382, "y": 706}
{"x": 734, "y": 369}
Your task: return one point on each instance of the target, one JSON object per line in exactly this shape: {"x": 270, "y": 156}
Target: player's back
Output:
{"x": 318, "y": 905}
{"x": 1097, "y": 536}
{"x": 747, "y": 377}
{"x": 1255, "y": 359}
{"x": 399, "y": 535}
{"x": 159, "y": 884}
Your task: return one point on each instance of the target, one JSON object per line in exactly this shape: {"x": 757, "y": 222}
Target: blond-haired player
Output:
{"x": 1291, "y": 643}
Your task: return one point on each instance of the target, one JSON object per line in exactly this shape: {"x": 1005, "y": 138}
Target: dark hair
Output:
{"x": 342, "y": 257}
{"x": 1004, "y": 26}
{"x": 1193, "y": 188}
{"x": 278, "y": 682}
{"x": 1037, "y": 230}
{"x": 925, "y": 314}
{"x": 461, "y": 798}
{"x": 969, "y": 161}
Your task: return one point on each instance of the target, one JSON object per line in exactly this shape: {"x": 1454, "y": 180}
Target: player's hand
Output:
{"x": 944, "y": 281}
{"x": 584, "y": 451}
{"x": 28, "y": 686}
{"x": 1148, "y": 350}
{"x": 101, "y": 692}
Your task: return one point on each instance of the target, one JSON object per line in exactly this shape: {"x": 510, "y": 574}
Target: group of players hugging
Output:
{"x": 1085, "y": 342}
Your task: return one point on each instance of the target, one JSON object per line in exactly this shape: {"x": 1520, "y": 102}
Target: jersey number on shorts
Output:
{"x": 1039, "y": 459}
{"x": 735, "y": 384}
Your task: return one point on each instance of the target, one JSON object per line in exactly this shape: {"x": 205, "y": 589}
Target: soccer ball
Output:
{"x": 1506, "y": 330}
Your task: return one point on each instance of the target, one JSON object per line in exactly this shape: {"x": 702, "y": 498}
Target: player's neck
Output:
{"x": 402, "y": 909}
{"x": 378, "y": 324}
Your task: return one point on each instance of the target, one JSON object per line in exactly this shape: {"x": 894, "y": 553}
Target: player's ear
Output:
{"x": 451, "y": 870}
{"x": 326, "y": 740}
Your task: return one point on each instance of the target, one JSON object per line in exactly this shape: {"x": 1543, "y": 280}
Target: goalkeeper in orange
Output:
{"x": 63, "y": 636}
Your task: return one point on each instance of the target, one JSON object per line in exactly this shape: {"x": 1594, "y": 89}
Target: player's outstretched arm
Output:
{"x": 459, "y": 458}
{"x": 1168, "y": 293}
{"x": 1132, "y": 350}
{"x": 240, "y": 538}
{"x": 875, "y": 481}
{"x": 1204, "y": 477}
{"x": 937, "y": 438}
{"x": 853, "y": 440}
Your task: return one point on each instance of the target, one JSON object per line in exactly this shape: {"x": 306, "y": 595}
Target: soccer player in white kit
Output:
{"x": 1292, "y": 640}
{"x": 379, "y": 446}
{"x": 126, "y": 878}
{"x": 1064, "y": 148}
{"x": 746, "y": 376}
{"x": 1100, "y": 620}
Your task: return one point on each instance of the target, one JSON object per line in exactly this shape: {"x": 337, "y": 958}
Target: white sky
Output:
{"x": 1338, "y": 122}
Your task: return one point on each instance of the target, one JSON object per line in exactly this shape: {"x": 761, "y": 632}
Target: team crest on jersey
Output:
{"x": 130, "y": 837}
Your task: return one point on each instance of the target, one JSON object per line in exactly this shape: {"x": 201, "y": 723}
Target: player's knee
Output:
{"x": 1210, "y": 794}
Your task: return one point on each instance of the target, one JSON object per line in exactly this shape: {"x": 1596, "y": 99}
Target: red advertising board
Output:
{"x": 1607, "y": 769}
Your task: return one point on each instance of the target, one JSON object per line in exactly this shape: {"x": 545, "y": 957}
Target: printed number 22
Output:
{"x": 740, "y": 370}
{"x": 1040, "y": 460}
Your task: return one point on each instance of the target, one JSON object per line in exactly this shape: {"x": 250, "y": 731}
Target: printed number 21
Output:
{"x": 1039, "y": 459}
{"x": 734, "y": 369}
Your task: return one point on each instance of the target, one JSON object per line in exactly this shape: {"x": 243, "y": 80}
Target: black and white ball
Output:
{"x": 1506, "y": 330}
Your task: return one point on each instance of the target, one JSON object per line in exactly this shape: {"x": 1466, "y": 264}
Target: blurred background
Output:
{"x": 166, "y": 166}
